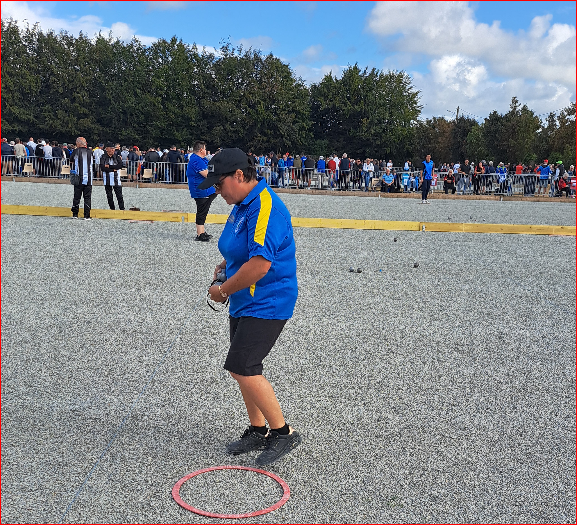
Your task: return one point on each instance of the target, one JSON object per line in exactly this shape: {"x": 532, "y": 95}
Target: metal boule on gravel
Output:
{"x": 395, "y": 239}
{"x": 416, "y": 265}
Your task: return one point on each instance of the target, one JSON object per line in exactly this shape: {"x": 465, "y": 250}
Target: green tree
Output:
{"x": 460, "y": 130}
{"x": 255, "y": 103}
{"x": 475, "y": 146}
{"x": 19, "y": 83}
{"x": 432, "y": 136}
{"x": 519, "y": 133}
{"x": 366, "y": 112}
{"x": 562, "y": 139}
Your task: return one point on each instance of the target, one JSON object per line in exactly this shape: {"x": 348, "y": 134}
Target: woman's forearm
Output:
{"x": 248, "y": 274}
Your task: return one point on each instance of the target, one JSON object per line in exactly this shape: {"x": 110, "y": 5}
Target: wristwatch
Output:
{"x": 222, "y": 294}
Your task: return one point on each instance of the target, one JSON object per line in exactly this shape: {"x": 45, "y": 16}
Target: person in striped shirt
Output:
{"x": 81, "y": 165}
{"x": 258, "y": 247}
{"x": 110, "y": 166}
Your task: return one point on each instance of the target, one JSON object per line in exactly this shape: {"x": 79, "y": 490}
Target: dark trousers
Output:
{"x": 202, "y": 207}
{"x": 82, "y": 190}
{"x": 449, "y": 186}
{"x": 174, "y": 175}
{"x": 476, "y": 186}
{"x": 425, "y": 188}
{"x": 119, "y": 198}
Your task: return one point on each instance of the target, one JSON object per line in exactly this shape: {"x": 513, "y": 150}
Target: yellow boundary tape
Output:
{"x": 11, "y": 209}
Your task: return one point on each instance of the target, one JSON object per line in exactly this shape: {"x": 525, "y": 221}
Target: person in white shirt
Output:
{"x": 47, "y": 151}
{"x": 97, "y": 153}
{"x": 31, "y": 146}
{"x": 368, "y": 171}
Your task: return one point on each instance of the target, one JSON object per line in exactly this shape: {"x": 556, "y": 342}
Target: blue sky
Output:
{"x": 475, "y": 55}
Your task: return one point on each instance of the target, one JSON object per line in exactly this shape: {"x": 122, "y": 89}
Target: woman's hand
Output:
{"x": 218, "y": 268}
{"x": 215, "y": 294}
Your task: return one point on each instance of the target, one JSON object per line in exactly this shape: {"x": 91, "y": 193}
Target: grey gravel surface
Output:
{"x": 308, "y": 205}
{"x": 443, "y": 393}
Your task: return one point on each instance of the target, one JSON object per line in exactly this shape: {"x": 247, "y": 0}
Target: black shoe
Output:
{"x": 278, "y": 446}
{"x": 249, "y": 441}
{"x": 204, "y": 237}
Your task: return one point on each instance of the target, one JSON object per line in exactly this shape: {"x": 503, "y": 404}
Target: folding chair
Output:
{"x": 28, "y": 168}
{"x": 315, "y": 178}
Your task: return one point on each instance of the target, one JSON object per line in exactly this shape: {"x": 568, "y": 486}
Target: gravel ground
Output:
{"x": 443, "y": 393}
{"x": 326, "y": 206}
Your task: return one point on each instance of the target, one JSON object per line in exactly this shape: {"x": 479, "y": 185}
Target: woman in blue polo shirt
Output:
{"x": 259, "y": 257}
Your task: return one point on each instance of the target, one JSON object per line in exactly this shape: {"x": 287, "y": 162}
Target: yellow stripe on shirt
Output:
{"x": 252, "y": 287}
{"x": 263, "y": 216}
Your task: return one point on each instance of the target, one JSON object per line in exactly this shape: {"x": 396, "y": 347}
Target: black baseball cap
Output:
{"x": 223, "y": 162}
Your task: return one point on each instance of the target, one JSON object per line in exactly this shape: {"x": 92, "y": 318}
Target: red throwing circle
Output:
{"x": 183, "y": 504}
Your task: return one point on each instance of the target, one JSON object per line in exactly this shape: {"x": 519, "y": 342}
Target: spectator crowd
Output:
{"x": 42, "y": 158}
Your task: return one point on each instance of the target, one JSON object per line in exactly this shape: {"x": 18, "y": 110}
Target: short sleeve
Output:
{"x": 267, "y": 228}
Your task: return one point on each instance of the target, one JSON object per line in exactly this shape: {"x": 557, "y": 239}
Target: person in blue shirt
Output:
{"x": 281, "y": 168}
{"x": 501, "y": 172}
{"x": 544, "y": 172}
{"x": 196, "y": 173}
{"x": 426, "y": 177}
{"x": 258, "y": 247}
{"x": 388, "y": 179}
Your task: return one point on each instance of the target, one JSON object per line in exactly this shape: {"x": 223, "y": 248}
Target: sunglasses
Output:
{"x": 218, "y": 185}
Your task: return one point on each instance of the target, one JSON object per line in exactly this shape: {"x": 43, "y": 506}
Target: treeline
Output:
{"x": 59, "y": 86}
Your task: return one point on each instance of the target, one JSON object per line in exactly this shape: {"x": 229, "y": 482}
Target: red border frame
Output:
{"x": 183, "y": 504}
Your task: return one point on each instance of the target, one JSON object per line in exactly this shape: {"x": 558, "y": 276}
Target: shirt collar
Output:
{"x": 255, "y": 191}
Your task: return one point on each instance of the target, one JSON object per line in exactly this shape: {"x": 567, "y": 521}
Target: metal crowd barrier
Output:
{"x": 291, "y": 177}
{"x": 140, "y": 171}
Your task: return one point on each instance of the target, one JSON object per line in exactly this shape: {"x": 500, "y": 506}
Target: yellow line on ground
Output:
{"x": 531, "y": 229}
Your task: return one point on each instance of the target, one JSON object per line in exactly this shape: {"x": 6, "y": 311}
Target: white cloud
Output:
{"x": 312, "y": 75}
{"x": 90, "y": 25}
{"x": 477, "y": 65}
{"x": 257, "y": 42}
{"x": 312, "y": 53}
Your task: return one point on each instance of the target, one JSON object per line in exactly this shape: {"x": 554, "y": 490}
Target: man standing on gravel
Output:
{"x": 81, "y": 163}
{"x": 426, "y": 177}
{"x": 110, "y": 166}
{"x": 196, "y": 172}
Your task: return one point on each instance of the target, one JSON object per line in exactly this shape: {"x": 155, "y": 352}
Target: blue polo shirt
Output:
{"x": 389, "y": 178}
{"x": 261, "y": 225}
{"x": 544, "y": 170}
{"x": 195, "y": 165}
{"x": 502, "y": 172}
{"x": 427, "y": 170}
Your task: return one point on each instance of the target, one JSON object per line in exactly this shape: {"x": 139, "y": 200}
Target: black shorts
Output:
{"x": 202, "y": 207}
{"x": 251, "y": 339}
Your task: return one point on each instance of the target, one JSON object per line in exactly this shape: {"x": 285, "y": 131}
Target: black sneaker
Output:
{"x": 277, "y": 446}
{"x": 204, "y": 237}
{"x": 249, "y": 441}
